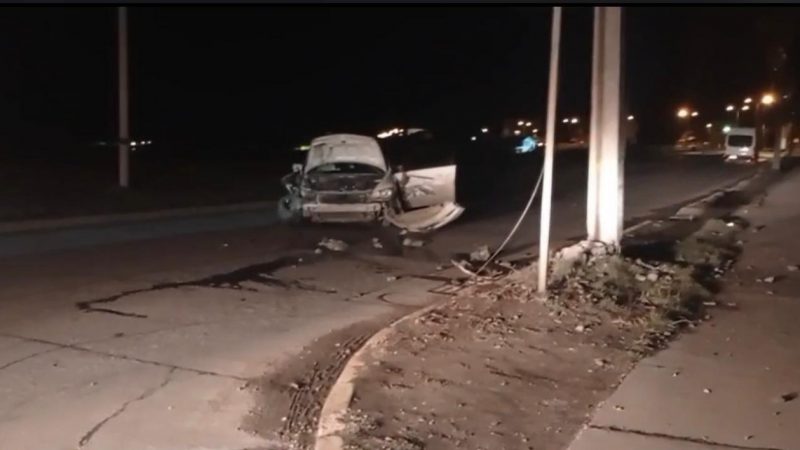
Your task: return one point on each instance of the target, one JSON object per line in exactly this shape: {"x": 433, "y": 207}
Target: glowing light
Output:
{"x": 730, "y": 108}
{"x": 484, "y": 130}
{"x": 520, "y": 123}
{"x": 695, "y": 114}
{"x": 535, "y": 130}
{"x": 726, "y": 129}
{"x": 517, "y": 132}
{"x": 630, "y": 118}
{"x": 768, "y": 99}
{"x": 748, "y": 100}
{"x": 746, "y": 108}
{"x": 708, "y": 125}
{"x": 683, "y": 112}
{"x": 565, "y": 121}
{"x": 473, "y": 138}
{"x": 574, "y": 120}
{"x": 527, "y": 124}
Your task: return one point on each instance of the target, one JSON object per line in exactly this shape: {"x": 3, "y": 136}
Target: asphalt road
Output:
{"x": 141, "y": 336}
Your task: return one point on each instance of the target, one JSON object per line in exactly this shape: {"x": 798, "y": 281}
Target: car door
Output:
{"x": 427, "y": 198}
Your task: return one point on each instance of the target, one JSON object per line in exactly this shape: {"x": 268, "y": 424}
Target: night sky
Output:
{"x": 273, "y": 77}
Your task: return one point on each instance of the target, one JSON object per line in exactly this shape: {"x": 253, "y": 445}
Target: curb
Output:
{"x": 338, "y": 400}
{"x": 108, "y": 219}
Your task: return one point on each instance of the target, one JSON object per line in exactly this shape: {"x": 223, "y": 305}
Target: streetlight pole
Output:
{"x": 124, "y": 119}
{"x": 606, "y": 180}
{"x": 549, "y": 150}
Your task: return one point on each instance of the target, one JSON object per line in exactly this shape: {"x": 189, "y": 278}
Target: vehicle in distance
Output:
{"x": 740, "y": 145}
{"x": 345, "y": 178}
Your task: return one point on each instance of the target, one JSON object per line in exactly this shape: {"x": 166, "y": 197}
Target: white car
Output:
{"x": 345, "y": 178}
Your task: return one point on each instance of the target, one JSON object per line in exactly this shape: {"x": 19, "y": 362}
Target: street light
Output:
{"x": 683, "y": 113}
{"x": 746, "y": 108}
{"x": 695, "y": 114}
{"x": 748, "y": 100}
{"x": 768, "y": 99}
{"x": 730, "y": 108}
{"x": 484, "y": 130}
{"x": 708, "y": 125}
{"x": 630, "y": 118}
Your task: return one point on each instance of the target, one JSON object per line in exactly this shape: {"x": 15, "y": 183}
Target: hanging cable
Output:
{"x": 516, "y": 225}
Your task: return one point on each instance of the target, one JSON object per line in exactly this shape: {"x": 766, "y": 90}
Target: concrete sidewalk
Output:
{"x": 733, "y": 382}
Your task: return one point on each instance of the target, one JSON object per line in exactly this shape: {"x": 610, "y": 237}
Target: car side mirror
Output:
{"x": 297, "y": 168}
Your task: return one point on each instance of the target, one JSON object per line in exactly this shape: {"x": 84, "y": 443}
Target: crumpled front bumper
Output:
{"x": 339, "y": 212}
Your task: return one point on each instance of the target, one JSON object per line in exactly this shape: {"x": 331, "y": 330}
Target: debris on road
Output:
{"x": 334, "y": 245}
{"x": 481, "y": 254}
{"x": 411, "y": 242}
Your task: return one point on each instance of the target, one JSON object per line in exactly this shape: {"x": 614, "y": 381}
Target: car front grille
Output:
{"x": 342, "y": 198}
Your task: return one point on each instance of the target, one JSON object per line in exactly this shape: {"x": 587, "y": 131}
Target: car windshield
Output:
{"x": 736, "y": 140}
{"x": 346, "y": 169}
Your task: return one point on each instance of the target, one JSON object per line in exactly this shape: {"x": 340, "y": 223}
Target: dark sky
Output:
{"x": 278, "y": 75}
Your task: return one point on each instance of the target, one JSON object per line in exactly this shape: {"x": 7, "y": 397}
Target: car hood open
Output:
{"x": 344, "y": 148}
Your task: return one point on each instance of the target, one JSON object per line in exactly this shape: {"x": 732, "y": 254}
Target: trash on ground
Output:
{"x": 481, "y": 254}
{"x": 411, "y": 242}
{"x": 334, "y": 245}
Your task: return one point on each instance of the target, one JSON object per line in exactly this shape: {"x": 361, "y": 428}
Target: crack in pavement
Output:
{"x": 147, "y": 393}
{"x": 678, "y": 438}
{"x": 257, "y": 273}
{"x": 25, "y": 358}
{"x": 124, "y": 357}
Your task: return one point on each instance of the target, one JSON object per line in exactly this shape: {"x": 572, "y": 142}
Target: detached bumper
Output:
{"x": 333, "y": 212}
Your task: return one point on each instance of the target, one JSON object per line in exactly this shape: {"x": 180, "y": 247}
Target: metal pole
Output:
{"x": 549, "y": 150}
{"x": 124, "y": 124}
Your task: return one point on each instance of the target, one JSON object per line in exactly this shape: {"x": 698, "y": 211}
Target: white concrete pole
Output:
{"x": 549, "y": 149}
{"x": 124, "y": 124}
{"x": 605, "y": 189}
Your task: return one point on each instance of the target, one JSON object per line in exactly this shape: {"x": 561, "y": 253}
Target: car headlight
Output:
{"x": 382, "y": 194}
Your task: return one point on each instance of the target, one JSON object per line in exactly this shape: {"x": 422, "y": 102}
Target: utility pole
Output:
{"x": 549, "y": 150}
{"x": 604, "y": 206}
{"x": 124, "y": 123}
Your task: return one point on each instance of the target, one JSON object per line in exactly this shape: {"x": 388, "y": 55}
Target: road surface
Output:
{"x": 143, "y": 336}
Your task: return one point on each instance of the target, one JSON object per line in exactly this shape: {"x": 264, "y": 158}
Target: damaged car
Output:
{"x": 345, "y": 178}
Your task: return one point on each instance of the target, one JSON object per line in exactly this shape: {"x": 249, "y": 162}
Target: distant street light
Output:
{"x": 708, "y": 125}
{"x": 484, "y": 130}
{"x": 574, "y": 120}
{"x": 527, "y": 124}
{"x": 517, "y": 132}
{"x": 683, "y": 113}
{"x": 565, "y": 120}
{"x": 520, "y": 123}
{"x": 473, "y": 138}
{"x": 748, "y": 100}
{"x": 768, "y": 99}
{"x": 746, "y": 108}
{"x": 695, "y": 114}
{"x": 630, "y": 118}
{"x": 730, "y": 108}
{"x": 726, "y": 129}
